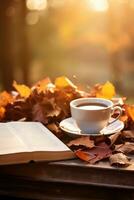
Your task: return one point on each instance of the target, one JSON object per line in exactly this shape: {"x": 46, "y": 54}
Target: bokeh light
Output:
{"x": 98, "y": 5}
{"x": 36, "y": 4}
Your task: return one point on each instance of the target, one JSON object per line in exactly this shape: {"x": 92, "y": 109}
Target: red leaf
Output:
{"x": 95, "y": 154}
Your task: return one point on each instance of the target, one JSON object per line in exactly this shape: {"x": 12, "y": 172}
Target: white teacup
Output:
{"x": 93, "y": 114}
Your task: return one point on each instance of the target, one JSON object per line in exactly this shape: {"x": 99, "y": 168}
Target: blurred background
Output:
{"x": 89, "y": 41}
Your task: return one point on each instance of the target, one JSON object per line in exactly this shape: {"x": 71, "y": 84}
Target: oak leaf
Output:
{"x": 38, "y": 114}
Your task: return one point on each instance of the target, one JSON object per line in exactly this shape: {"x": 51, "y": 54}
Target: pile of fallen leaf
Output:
{"x": 49, "y": 102}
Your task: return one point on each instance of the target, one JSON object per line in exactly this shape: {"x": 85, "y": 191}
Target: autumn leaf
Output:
{"x": 128, "y": 135}
{"x": 83, "y": 155}
{"x": 106, "y": 91}
{"x": 118, "y": 101}
{"x": 5, "y": 98}
{"x": 18, "y": 110}
{"x": 119, "y": 160}
{"x": 55, "y": 129}
{"x": 38, "y": 114}
{"x": 130, "y": 110}
{"x": 45, "y": 110}
{"x": 113, "y": 138}
{"x": 63, "y": 82}
{"x": 2, "y": 112}
{"x": 95, "y": 154}
{"x": 124, "y": 118}
{"x": 23, "y": 90}
{"x": 42, "y": 85}
{"x": 82, "y": 141}
{"x": 126, "y": 148}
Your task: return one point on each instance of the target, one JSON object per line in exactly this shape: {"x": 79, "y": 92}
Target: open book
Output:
{"x": 22, "y": 142}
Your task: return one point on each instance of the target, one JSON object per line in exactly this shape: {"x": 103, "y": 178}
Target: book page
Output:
{"x": 37, "y": 137}
{"x": 9, "y": 142}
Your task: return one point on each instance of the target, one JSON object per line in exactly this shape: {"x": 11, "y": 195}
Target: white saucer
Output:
{"x": 69, "y": 126}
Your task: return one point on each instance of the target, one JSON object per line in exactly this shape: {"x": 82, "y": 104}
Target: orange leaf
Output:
{"x": 23, "y": 90}
{"x": 130, "y": 110}
{"x": 5, "y": 98}
{"x": 2, "y": 112}
{"x": 106, "y": 91}
{"x": 83, "y": 155}
{"x": 43, "y": 84}
{"x": 124, "y": 118}
{"x": 63, "y": 82}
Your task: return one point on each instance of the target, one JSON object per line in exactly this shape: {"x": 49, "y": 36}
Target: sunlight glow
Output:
{"x": 98, "y": 5}
{"x": 36, "y": 4}
{"x": 32, "y": 18}
{"x": 57, "y": 3}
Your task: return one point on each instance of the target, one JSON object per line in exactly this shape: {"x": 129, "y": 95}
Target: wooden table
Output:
{"x": 72, "y": 179}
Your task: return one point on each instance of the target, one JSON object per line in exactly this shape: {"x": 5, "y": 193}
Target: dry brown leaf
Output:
{"x": 17, "y": 110}
{"x": 38, "y": 114}
{"x": 55, "y": 129}
{"x": 119, "y": 160}
{"x": 45, "y": 110}
{"x": 82, "y": 142}
{"x": 101, "y": 152}
{"x": 23, "y": 90}
{"x": 113, "y": 138}
{"x": 95, "y": 154}
{"x": 126, "y": 148}
{"x": 128, "y": 135}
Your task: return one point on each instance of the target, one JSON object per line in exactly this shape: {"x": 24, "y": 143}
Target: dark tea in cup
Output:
{"x": 93, "y": 114}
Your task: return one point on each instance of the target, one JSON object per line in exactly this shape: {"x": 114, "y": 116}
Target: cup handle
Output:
{"x": 113, "y": 110}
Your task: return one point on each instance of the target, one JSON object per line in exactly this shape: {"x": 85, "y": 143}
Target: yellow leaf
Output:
{"x": 106, "y": 91}
{"x": 23, "y": 90}
{"x": 63, "y": 82}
